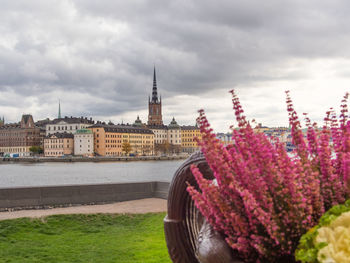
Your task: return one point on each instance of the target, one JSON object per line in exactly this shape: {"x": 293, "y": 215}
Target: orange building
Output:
{"x": 109, "y": 139}
{"x": 188, "y": 143}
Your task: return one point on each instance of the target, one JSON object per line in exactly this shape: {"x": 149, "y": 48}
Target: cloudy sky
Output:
{"x": 98, "y": 58}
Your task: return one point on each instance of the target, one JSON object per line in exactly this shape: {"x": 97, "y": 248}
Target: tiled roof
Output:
{"x": 42, "y": 123}
{"x": 61, "y": 135}
{"x": 83, "y": 131}
{"x": 10, "y": 126}
{"x": 72, "y": 120}
{"x": 157, "y": 127}
{"x": 189, "y": 127}
{"x": 122, "y": 128}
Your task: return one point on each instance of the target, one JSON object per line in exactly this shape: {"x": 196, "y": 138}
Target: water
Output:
{"x": 45, "y": 174}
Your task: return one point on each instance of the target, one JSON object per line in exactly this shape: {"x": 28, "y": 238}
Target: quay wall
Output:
{"x": 66, "y": 195}
{"x": 91, "y": 159}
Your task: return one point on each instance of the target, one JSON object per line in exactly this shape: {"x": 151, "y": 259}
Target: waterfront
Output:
{"x": 48, "y": 174}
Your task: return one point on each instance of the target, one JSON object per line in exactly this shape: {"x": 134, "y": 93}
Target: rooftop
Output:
{"x": 73, "y": 120}
{"x": 173, "y": 124}
{"x": 189, "y": 127}
{"x": 61, "y": 135}
{"x": 122, "y": 128}
{"x": 83, "y": 131}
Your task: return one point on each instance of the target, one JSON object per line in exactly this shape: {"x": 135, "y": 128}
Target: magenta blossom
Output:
{"x": 263, "y": 199}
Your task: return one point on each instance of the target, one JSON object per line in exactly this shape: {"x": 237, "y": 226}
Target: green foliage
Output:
{"x": 307, "y": 251}
{"x": 36, "y": 149}
{"x": 84, "y": 238}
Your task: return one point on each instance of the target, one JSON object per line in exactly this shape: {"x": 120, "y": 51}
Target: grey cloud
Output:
{"x": 106, "y": 49}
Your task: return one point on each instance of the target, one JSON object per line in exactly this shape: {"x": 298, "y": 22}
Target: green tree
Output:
{"x": 36, "y": 149}
{"x": 126, "y": 147}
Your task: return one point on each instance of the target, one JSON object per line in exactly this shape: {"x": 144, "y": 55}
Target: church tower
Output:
{"x": 155, "y": 105}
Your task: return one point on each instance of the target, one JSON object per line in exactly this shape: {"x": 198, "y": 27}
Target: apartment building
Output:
{"x": 109, "y": 139}
{"x": 68, "y": 125}
{"x": 59, "y": 144}
{"x": 16, "y": 139}
{"x": 84, "y": 142}
{"x": 188, "y": 135}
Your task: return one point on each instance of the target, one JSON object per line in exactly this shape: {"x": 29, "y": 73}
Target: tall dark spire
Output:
{"x": 154, "y": 90}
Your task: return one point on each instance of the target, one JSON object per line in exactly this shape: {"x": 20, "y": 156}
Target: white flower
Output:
{"x": 337, "y": 237}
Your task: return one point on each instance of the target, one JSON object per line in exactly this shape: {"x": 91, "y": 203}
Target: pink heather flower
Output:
{"x": 263, "y": 199}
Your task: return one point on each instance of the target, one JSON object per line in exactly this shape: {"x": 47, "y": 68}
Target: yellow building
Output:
{"x": 58, "y": 144}
{"x": 188, "y": 143}
{"x": 109, "y": 139}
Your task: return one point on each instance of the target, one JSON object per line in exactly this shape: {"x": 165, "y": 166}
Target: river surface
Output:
{"x": 44, "y": 174}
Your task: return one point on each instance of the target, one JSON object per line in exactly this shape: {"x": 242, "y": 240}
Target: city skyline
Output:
{"x": 98, "y": 59}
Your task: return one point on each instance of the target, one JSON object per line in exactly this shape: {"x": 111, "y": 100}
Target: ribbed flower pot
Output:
{"x": 189, "y": 238}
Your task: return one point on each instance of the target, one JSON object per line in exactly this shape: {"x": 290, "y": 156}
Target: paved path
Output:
{"x": 149, "y": 205}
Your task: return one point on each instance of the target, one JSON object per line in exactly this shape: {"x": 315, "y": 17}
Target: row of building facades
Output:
{"x": 81, "y": 136}
{"x": 283, "y": 134}
{"x": 84, "y": 137}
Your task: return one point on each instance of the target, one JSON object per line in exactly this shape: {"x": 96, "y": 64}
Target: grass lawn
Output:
{"x": 84, "y": 238}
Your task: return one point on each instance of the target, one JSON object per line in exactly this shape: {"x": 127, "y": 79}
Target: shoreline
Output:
{"x": 90, "y": 159}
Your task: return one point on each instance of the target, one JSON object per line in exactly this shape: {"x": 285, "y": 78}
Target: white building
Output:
{"x": 160, "y": 134}
{"x": 174, "y": 133}
{"x": 84, "y": 142}
{"x": 67, "y": 124}
{"x": 170, "y": 134}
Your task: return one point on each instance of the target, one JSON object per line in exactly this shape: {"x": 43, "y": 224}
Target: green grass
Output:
{"x": 84, "y": 238}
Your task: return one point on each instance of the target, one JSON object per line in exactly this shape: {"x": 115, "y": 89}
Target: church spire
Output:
{"x": 59, "y": 109}
{"x": 154, "y": 90}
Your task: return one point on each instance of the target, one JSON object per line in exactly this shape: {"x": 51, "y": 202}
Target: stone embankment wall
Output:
{"x": 39, "y": 197}
{"x": 92, "y": 159}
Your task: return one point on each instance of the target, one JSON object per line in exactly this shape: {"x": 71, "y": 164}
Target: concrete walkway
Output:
{"x": 149, "y": 205}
